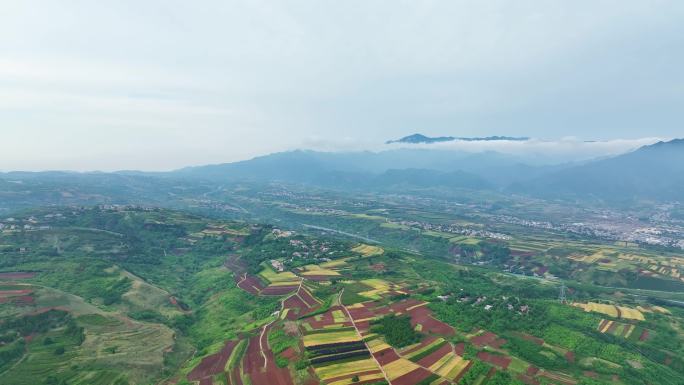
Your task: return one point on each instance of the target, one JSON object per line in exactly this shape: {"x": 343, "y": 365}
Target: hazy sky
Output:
{"x": 163, "y": 84}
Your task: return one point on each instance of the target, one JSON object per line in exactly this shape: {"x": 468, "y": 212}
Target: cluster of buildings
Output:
{"x": 454, "y": 229}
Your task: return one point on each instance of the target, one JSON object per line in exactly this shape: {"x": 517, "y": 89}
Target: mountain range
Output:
{"x": 420, "y": 138}
{"x": 650, "y": 173}
{"x": 653, "y": 172}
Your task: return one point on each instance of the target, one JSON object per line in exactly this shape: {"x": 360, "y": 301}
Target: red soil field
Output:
{"x": 378, "y": 267}
{"x": 644, "y": 335}
{"x": 17, "y": 275}
{"x": 206, "y": 381}
{"x": 253, "y": 365}
{"x": 235, "y": 378}
{"x": 253, "y": 360}
{"x": 591, "y": 374}
{"x": 295, "y": 303}
{"x": 363, "y": 326}
{"x": 484, "y": 339}
{"x": 532, "y": 370}
{"x": 401, "y": 306}
{"x": 570, "y": 356}
{"x": 361, "y": 313}
{"x": 413, "y": 377}
{"x": 212, "y": 364}
{"x": 493, "y": 359}
{"x": 12, "y": 293}
{"x": 422, "y": 315}
{"x": 459, "y": 348}
{"x": 527, "y": 379}
{"x": 278, "y": 290}
{"x": 24, "y": 300}
{"x": 497, "y": 343}
{"x": 250, "y": 284}
{"x": 289, "y": 353}
{"x": 435, "y": 356}
{"x": 386, "y": 356}
{"x": 307, "y": 297}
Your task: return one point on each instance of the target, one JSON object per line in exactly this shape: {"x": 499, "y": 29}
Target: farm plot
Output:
{"x": 488, "y": 339}
{"x": 368, "y": 250}
{"x": 330, "y": 337}
{"x": 495, "y": 359}
{"x": 18, "y": 295}
{"x": 213, "y": 364}
{"x": 380, "y": 288}
{"x": 332, "y": 319}
{"x": 250, "y": 284}
{"x": 342, "y": 371}
{"x": 17, "y": 275}
{"x": 619, "y": 329}
{"x": 299, "y": 304}
{"x": 405, "y": 372}
{"x": 279, "y": 283}
{"x": 259, "y": 364}
{"x": 315, "y": 270}
{"x": 611, "y": 310}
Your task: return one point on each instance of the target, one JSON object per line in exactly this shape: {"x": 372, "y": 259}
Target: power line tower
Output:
{"x": 561, "y": 297}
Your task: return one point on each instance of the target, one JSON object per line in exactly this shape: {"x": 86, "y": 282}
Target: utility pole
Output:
{"x": 561, "y": 297}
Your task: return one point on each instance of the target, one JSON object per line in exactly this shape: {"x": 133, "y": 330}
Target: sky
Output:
{"x": 158, "y": 85}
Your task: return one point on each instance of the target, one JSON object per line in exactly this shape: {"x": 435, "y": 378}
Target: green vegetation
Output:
{"x": 129, "y": 295}
{"x": 396, "y": 330}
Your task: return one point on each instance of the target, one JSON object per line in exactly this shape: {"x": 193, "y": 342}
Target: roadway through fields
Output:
{"x": 361, "y": 337}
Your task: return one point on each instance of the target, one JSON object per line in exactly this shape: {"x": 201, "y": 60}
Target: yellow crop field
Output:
{"x": 327, "y": 337}
{"x": 450, "y": 366}
{"x": 338, "y": 316}
{"x": 279, "y": 279}
{"x": 609, "y": 310}
{"x": 445, "y": 359}
{"x": 630, "y": 330}
{"x": 398, "y": 368}
{"x": 377, "y": 345}
{"x": 345, "y": 368}
{"x": 317, "y": 270}
{"x": 660, "y": 309}
{"x": 629, "y": 313}
{"x": 379, "y": 286}
{"x": 369, "y": 377}
{"x": 457, "y": 369}
{"x": 368, "y": 250}
{"x": 334, "y": 264}
{"x": 438, "y": 341}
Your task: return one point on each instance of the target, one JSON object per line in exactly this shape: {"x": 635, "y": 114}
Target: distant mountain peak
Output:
{"x": 422, "y": 139}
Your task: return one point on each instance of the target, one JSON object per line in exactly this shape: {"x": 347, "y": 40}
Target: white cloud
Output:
{"x": 561, "y": 150}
